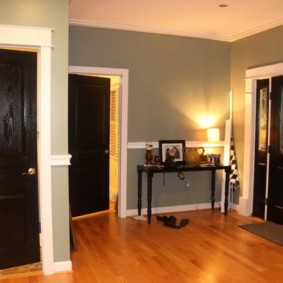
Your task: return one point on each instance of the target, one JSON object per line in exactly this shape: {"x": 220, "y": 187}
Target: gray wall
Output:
{"x": 51, "y": 14}
{"x": 258, "y": 50}
{"x": 173, "y": 82}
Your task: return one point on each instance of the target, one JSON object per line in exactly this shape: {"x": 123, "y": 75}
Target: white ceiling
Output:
{"x": 196, "y": 18}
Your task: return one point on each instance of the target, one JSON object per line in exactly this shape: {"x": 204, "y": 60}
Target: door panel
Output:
{"x": 19, "y": 218}
{"x": 89, "y": 106}
{"x": 262, "y": 97}
{"x": 275, "y": 189}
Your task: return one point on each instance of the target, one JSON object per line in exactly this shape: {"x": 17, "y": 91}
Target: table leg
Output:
{"x": 139, "y": 192}
{"x": 212, "y": 188}
{"x": 149, "y": 195}
{"x": 227, "y": 172}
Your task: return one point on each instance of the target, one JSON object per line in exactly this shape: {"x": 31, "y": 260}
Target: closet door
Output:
{"x": 275, "y": 189}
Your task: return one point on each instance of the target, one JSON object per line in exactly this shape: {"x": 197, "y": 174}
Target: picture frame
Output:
{"x": 173, "y": 148}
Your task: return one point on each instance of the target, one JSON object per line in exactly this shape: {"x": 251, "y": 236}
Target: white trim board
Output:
{"x": 61, "y": 160}
{"x": 178, "y": 208}
{"x": 62, "y": 266}
{"x": 39, "y": 39}
{"x": 124, "y": 75}
{"x": 137, "y": 145}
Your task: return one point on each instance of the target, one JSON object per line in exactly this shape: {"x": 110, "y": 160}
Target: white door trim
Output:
{"x": 39, "y": 39}
{"x": 265, "y": 72}
{"x": 124, "y": 75}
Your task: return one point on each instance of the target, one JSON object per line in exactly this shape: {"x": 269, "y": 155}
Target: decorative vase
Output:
{"x": 148, "y": 154}
{"x": 148, "y": 157}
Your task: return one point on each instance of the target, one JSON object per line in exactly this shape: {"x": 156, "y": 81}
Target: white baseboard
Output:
{"x": 244, "y": 207}
{"x": 234, "y": 206}
{"x": 179, "y": 208}
{"x": 62, "y": 266}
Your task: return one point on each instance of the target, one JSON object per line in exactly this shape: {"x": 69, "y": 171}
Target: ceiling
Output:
{"x": 193, "y": 18}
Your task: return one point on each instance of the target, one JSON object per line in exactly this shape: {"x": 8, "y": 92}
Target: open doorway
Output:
{"x": 123, "y": 126}
{"x": 93, "y": 105}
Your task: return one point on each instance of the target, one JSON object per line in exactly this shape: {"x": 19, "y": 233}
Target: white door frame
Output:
{"x": 39, "y": 39}
{"x": 252, "y": 75}
{"x": 123, "y": 121}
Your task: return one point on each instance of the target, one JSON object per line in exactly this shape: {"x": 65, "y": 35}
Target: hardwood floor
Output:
{"x": 210, "y": 249}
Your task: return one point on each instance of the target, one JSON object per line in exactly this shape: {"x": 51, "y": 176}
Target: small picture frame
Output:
{"x": 173, "y": 148}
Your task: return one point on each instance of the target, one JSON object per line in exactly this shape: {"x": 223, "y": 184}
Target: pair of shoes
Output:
{"x": 183, "y": 223}
{"x": 171, "y": 221}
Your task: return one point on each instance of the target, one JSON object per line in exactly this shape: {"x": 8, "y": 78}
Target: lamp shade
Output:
{"x": 213, "y": 135}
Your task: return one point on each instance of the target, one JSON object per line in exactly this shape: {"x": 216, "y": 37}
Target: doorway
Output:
{"x": 252, "y": 75}
{"x": 123, "y": 122}
{"x": 268, "y": 197}
{"x": 40, "y": 39}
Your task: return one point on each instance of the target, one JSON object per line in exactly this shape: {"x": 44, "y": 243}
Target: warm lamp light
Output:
{"x": 213, "y": 135}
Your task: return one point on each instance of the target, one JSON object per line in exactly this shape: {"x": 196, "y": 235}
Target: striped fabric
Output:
{"x": 234, "y": 177}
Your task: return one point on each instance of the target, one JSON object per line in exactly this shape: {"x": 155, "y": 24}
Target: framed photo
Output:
{"x": 173, "y": 148}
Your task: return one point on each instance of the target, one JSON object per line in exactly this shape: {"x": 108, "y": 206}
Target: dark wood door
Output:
{"x": 19, "y": 217}
{"x": 260, "y": 166}
{"x": 275, "y": 189}
{"x": 89, "y": 106}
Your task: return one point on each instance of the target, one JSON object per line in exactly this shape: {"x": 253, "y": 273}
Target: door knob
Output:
{"x": 106, "y": 151}
{"x": 31, "y": 171}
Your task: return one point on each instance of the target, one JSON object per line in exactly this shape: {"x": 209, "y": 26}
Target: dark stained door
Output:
{"x": 275, "y": 189}
{"x": 89, "y": 106}
{"x": 262, "y": 99}
{"x": 19, "y": 217}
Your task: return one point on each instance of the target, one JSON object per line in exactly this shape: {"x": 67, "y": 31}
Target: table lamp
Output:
{"x": 213, "y": 136}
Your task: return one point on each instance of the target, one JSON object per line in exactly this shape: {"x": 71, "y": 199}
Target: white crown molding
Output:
{"x": 136, "y": 28}
{"x": 257, "y": 29}
{"x": 145, "y": 29}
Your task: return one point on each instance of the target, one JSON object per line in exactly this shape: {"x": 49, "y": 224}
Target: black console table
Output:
{"x": 151, "y": 170}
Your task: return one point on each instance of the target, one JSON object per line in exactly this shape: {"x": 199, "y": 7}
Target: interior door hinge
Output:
{"x": 266, "y": 201}
{"x": 270, "y": 95}
{"x": 269, "y": 149}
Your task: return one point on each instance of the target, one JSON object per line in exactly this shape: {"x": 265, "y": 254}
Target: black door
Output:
{"x": 19, "y": 218}
{"x": 89, "y": 106}
{"x": 275, "y": 189}
{"x": 260, "y": 166}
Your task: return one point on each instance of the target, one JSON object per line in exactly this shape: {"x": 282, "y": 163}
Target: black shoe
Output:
{"x": 166, "y": 219}
{"x": 183, "y": 223}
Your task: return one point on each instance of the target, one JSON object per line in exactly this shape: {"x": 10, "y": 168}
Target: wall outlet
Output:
{"x": 187, "y": 183}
